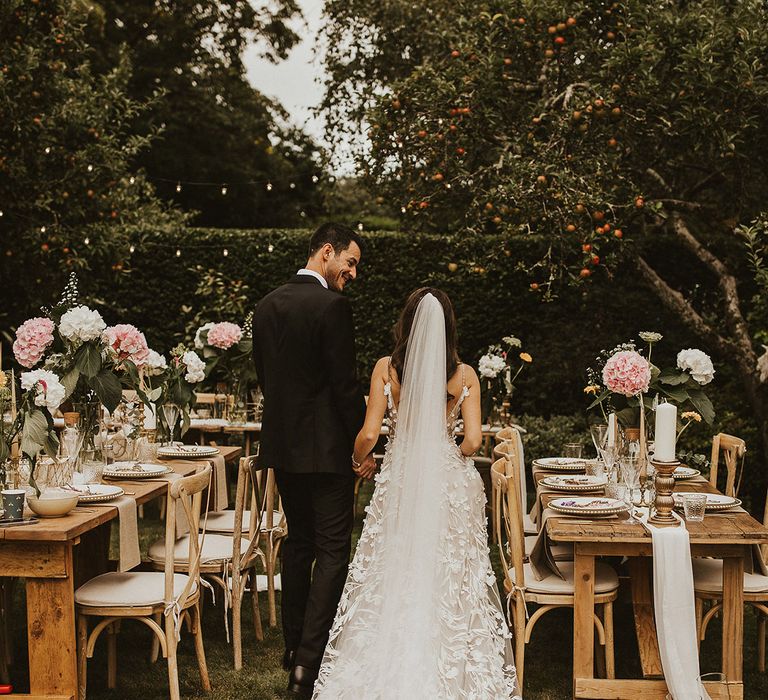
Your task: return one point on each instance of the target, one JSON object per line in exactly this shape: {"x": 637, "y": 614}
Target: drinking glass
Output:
{"x": 573, "y": 449}
{"x": 694, "y": 505}
{"x": 610, "y": 455}
{"x": 595, "y": 467}
{"x": 93, "y": 461}
{"x": 599, "y": 434}
{"x": 630, "y": 474}
{"x": 171, "y": 414}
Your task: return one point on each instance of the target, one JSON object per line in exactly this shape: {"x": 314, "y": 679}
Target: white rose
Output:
{"x": 195, "y": 367}
{"x": 199, "y": 342}
{"x": 155, "y": 363}
{"x": 490, "y": 366}
{"x": 698, "y": 363}
{"x": 81, "y": 323}
{"x": 49, "y": 390}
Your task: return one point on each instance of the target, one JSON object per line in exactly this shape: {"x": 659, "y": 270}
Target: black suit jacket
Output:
{"x": 304, "y": 350}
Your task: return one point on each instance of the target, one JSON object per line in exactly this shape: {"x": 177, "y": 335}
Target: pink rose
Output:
{"x": 627, "y": 372}
{"x": 128, "y": 342}
{"x": 224, "y": 335}
{"x": 32, "y": 339}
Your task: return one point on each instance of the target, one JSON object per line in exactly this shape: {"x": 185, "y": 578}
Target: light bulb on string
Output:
{"x": 270, "y": 248}
{"x": 42, "y": 229}
{"x": 131, "y": 179}
{"x": 292, "y": 185}
{"x": 447, "y": 185}
{"x": 1, "y": 212}
{"x": 47, "y": 150}
{"x": 315, "y": 178}
{"x": 224, "y": 189}
{"x": 132, "y": 248}
{"x": 302, "y": 214}
{"x": 360, "y": 226}
{"x": 178, "y": 252}
{"x": 87, "y": 241}
{"x": 226, "y": 252}
{"x": 403, "y": 210}
{"x": 178, "y": 187}
{"x": 90, "y": 168}
{"x": 269, "y": 187}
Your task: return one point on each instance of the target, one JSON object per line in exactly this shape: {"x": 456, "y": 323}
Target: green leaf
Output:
{"x": 88, "y": 359}
{"x": 154, "y": 394}
{"x": 673, "y": 377}
{"x": 34, "y": 433}
{"x": 677, "y": 393}
{"x": 108, "y": 389}
{"x": 628, "y": 417}
{"x": 702, "y": 404}
{"x": 606, "y": 393}
{"x": 69, "y": 381}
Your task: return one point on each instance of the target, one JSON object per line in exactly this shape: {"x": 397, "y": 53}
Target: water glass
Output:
{"x": 614, "y": 489}
{"x": 573, "y": 449}
{"x": 599, "y": 434}
{"x": 93, "y": 461}
{"x": 595, "y": 467}
{"x": 694, "y": 505}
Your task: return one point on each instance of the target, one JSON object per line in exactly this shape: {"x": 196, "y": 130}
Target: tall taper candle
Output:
{"x": 666, "y": 432}
{"x": 611, "y": 438}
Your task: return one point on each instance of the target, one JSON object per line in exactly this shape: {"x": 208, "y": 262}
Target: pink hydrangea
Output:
{"x": 128, "y": 342}
{"x": 32, "y": 339}
{"x": 627, "y": 372}
{"x": 224, "y": 335}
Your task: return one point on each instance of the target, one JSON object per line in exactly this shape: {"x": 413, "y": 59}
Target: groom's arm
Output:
{"x": 338, "y": 348}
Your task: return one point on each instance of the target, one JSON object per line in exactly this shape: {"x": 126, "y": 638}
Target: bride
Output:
{"x": 420, "y": 615}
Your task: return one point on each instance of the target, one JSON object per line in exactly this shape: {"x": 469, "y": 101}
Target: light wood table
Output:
{"x": 44, "y": 555}
{"x": 727, "y": 536}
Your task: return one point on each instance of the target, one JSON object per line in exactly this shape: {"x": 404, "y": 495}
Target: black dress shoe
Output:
{"x": 288, "y": 659}
{"x": 302, "y": 681}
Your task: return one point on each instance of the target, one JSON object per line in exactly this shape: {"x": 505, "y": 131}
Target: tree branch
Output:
{"x": 684, "y": 204}
{"x": 659, "y": 179}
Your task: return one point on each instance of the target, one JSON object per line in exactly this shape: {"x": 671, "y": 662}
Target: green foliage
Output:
{"x": 755, "y": 237}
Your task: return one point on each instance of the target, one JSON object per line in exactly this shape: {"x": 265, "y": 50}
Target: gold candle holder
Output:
{"x": 665, "y": 484}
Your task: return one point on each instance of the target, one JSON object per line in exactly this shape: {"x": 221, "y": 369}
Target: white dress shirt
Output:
{"x": 304, "y": 271}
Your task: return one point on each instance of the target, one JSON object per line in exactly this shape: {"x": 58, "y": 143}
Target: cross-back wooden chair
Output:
{"x": 708, "y": 588}
{"x": 228, "y": 559}
{"x": 504, "y": 434}
{"x": 148, "y": 596}
{"x": 512, "y": 449}
{"x": 732, "y": 449}
{"x": 521, "y": 586}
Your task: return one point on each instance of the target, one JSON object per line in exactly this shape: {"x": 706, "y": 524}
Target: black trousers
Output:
{"x": 318, "y": 508}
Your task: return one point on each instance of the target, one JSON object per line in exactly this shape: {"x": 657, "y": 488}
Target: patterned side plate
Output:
{"x": 685, "y": 473}
{"x": 131, "y": 470}
{"x": 560, "y": 464}
{"x": 715, "y": 501}
{"x": 188, "y": 451}
{"x": 574, "y": 482}
{"x": 97, "y": 493}
{"x": 588, "y": 505}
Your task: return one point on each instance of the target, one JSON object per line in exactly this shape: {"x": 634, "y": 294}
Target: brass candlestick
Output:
{"x": 665, "y": 484}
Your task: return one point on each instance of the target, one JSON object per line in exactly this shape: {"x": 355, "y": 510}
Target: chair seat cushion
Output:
{"x": 215, "y": 548}
{"x": 708, "y": 578}
{"x": 129, "y": 589}
{"x": 606, "y": 580}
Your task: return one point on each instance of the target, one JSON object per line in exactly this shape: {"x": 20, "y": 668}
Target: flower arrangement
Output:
{"x": 624, "y": 376}
{"x": 495, "y": 373}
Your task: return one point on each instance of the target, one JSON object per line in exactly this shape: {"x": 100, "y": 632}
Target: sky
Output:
{"x": 295, "y": 82}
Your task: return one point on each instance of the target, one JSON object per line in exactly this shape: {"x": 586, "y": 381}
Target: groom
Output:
{"x": 304, "y": 350}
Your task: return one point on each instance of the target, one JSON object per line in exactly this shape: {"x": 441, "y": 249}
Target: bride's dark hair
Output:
{"x": 402, "y": 330}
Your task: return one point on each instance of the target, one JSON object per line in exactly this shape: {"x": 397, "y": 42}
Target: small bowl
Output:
{"x": 52, "y": 505}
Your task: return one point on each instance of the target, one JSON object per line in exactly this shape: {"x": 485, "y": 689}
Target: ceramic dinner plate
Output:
{"x": 593, "y": 506}
{"x": 560, "y": 464}
{"x": 97, "y": 493}
{"x": 133, "y": 470}
{"x": 188, "y": 451}
{"x": 574, "y": 482}
{"x": 715, "y": 501}
{"x": 685, "y": 473}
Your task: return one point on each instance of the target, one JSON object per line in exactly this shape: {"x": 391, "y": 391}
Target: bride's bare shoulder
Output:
{"x": 381, "y": 368}
{"x": 464, "y": 374}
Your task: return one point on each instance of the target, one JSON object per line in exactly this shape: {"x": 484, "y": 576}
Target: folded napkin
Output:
{"x": 220, "y": 490}
{"x": 541, "y": 559}
{"x": 130, "y": 555}
{"x": 674, "y": 610}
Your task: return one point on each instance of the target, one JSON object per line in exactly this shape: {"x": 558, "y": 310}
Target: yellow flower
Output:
{"x": 691, "y": 415}
{"x": 592, "y": 389}
{"x": 525, "y": 357}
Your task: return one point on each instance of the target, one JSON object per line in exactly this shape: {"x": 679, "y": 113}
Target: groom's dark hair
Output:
{"x": 337, "y": 235}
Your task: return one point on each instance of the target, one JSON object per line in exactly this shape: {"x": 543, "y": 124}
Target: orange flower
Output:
{"x": 525, "y": 357}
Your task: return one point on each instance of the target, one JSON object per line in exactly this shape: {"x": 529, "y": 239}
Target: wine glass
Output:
{"x": 630, "y": 473}
{"x": 599, "y": 433}
{"x": 609, "y": 454}
{"x": 171, "y": 413}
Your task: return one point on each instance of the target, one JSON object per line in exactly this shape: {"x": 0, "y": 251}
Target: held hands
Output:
{"x": 366, "y": 468}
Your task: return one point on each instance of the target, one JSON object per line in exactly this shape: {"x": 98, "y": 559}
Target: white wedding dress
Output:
{"x": 420, "y": 615}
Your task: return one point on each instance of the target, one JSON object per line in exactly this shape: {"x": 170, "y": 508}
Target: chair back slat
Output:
{"x": 500, "y": 516}
{"x": 509, "y": 528}
{"x": 250, "y": 477}
{"x": 512, "y": 449}
{"x": 503, "y": 435}
{"x": 733, "y": 449}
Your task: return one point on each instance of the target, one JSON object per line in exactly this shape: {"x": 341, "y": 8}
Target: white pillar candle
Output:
{"x": 611, "y": 440}
{"x": 666, "y": 432}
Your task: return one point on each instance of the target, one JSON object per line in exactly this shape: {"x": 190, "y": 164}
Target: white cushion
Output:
{"x": 708, "y": 578}
{"x": 224, "y": 521}
{"x": 561, "y": 552}
{"x": 529, "y": 527}
{"x": 606, "y": 580}
{"x": 215, "y": 548}
{"x": 129, "y": 589}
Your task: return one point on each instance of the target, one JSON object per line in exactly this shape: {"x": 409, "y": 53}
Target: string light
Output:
{"x": 269, "y": 187}
{"x": 224, "y": 189}
{"x": 1, "y": 212}
{"x": 42, "y": 229}
{"x": 90, "y": 168}
{"x": 315, "y": 178}
{"x": 131, "y": 179}
{"x": 302, "y": 214}
{"x": 47, "y": 150}
{"x": 132, "y": 248}
{"x": 292, "y": 185}
{"x": 226, "y": 252}
{"x": 360, "y": 226}
{"x": 87, "y": 241}
{"x": 403, "y": 210}
{"x": 178, "y": 252}
{"x": 270, "y": 248}
{"x": 178, "y": 187}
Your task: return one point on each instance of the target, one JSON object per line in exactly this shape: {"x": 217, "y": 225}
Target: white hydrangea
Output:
{"x": 199, "y": 342}
{"x": 195, "y": 367}
{"x": 762, "y": 365}
{"x": 698, "y": 363}
{"x": 49, "y": 391}
{"x": 512, "y": 341}
{"x": 490, "y": 365}
{"x": 155, "y": 363}
{"x": 81, "y": 324}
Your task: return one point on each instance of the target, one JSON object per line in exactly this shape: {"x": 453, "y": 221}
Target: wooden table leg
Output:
{"x": 51, "y": 633}
{"x": 645, "y": 623}
{"x": 733, "y": 618}
{"x": 583, "y": 614}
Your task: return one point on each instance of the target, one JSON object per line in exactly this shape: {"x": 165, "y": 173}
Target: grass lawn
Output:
{"x": 547, "y": 672}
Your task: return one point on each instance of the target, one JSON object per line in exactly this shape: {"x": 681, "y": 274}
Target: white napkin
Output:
{"x": 130, "y": 555}
{"x": 674, "y": 610}
{"x": 221, "y": 497}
